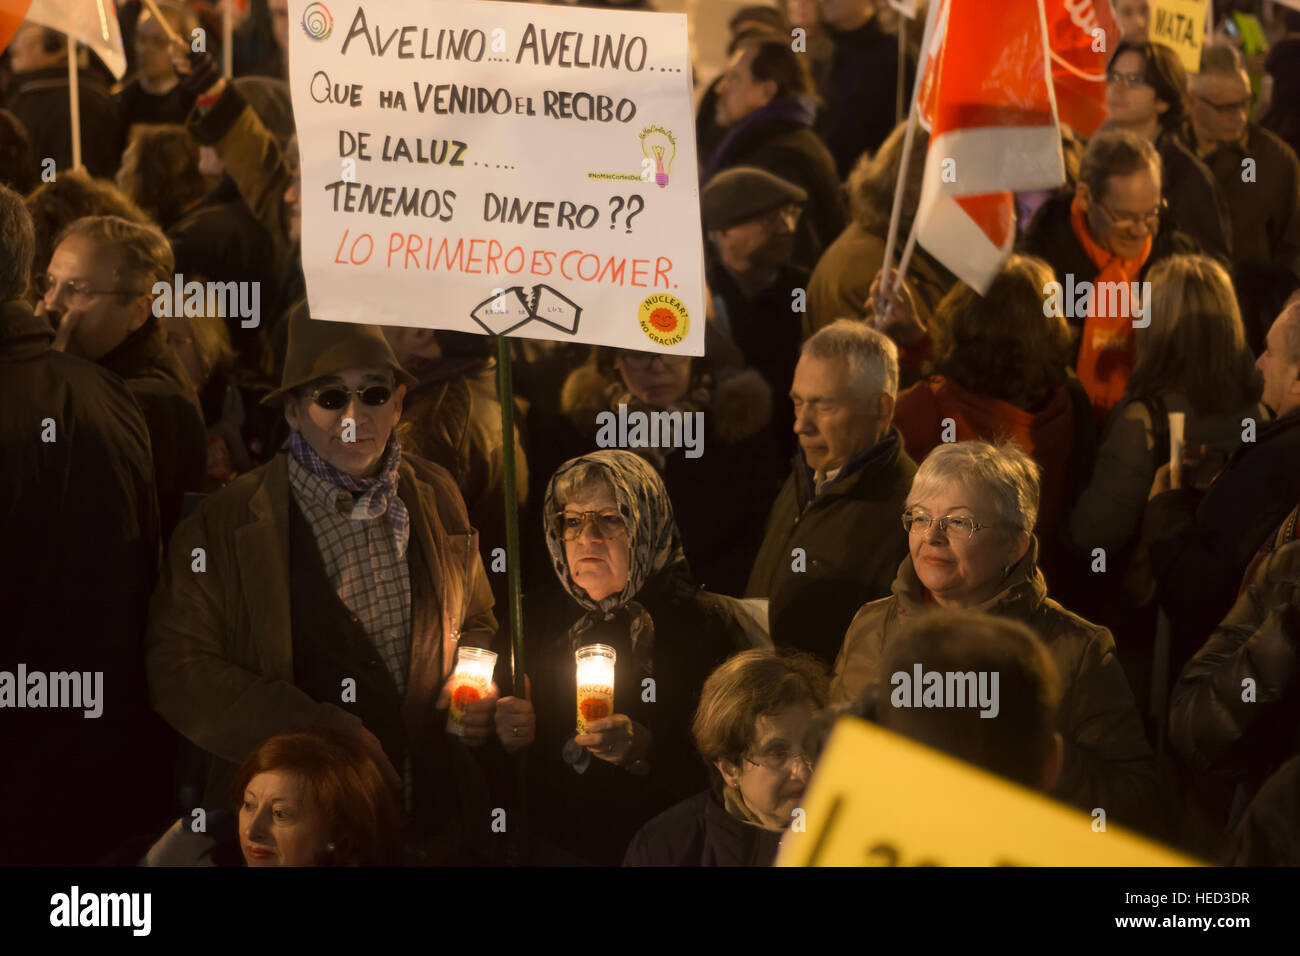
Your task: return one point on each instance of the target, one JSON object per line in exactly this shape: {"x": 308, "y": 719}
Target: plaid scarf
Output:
{"x": 378, "y": 495}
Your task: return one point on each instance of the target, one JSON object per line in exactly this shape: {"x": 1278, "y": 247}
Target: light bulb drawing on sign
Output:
{"x": 509, "y": 310}
{"x": 655, "y": 142}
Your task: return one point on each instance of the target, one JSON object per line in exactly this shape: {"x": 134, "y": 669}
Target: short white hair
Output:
{"x": 1003, "y": 470}
{"x": 871, "y": 356}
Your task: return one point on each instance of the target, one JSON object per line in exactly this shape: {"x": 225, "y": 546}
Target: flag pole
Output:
{"x": 228, "y": 39}
{"x": 506, "y": 397}
{"x": 163, "y": 23}
{"x": 905, "y": 160}
{"x": 902, "y": 69}
{"x": 74, "y": 101}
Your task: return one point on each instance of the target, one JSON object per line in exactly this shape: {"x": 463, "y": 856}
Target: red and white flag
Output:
{"x": 986, "y": 98}
{"x": 1082, "y": 34}
{"x": 92, "y": 22}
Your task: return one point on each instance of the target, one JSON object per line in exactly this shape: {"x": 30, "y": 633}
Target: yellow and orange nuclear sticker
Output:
{"x": 878, "y": 799}
{"x": 664, "y": 319}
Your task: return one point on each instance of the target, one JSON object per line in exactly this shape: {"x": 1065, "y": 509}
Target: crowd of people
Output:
{"x": 271, "y": 539}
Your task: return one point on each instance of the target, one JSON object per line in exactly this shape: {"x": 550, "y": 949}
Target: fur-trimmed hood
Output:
{"x": 737, "y": 407}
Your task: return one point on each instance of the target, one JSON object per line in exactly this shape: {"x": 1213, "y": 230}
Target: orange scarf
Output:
{"x": 1106, "y": 352}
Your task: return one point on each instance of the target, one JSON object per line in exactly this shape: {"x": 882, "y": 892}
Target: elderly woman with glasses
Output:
{"x": 968, "y": 517}
{"x": 626, "y": 585}
{"x": 726, "y": 430}
{"x": 753, "y": 730}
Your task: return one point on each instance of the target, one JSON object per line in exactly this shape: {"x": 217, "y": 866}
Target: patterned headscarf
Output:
{"x": 654, "y": 543}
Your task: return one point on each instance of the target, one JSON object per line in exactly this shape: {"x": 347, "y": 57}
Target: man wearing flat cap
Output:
{"x": 751, "y": 217}
{"x": 330, "y": 588}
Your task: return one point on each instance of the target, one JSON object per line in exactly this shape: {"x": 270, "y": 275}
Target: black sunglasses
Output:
{"x": 334, "y": 397}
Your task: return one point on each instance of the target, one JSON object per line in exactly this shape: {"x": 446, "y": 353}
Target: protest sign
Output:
{"x": 1180, "y": 24}
{"x": 878, "y": 799}
{"x": 500, "y": 168}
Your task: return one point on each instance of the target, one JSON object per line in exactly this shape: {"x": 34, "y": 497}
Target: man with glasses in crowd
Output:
{"x": 1258, "y": 172}
{"x": 335, "y": 584}
{"x": 1105, "y": 237}
{"x": 1146, "y": 94}
{"x": 97, "y": 293}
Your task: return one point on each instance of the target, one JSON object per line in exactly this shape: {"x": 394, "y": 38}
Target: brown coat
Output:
{"x": 1108, "y": 763}
{"x": 220, "y": 643}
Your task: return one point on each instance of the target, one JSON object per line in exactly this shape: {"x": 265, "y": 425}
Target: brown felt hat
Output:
{"x": 317, "y": 348}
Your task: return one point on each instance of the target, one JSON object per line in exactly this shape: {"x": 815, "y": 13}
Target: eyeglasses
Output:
{"x": 640, "y": 361}
{"x": 570, "y": 526}
{"x": 787, "y": 215}
{"x": 961, "y": 525}
{"x": 1227, "y": 109}
{"x": 1129, "y": 219}
{"x": 79, "y": 291}
{"x": 780, "y": 759}
{"x": 334, "y": 397}
{"x": 1130, "y": 81}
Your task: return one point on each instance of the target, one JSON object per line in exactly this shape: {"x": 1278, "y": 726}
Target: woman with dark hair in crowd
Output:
{"x": 626, "y": 584}
{"x": 721, "y": 518}
{"x": 1002, "y": 371}
{"x": 160, "y": 172}
{"x": 305, "y": 798}
{"x": 751, "y": 728}
{"x": 1146, "y": 93}
{"x": 1191, "y": 360}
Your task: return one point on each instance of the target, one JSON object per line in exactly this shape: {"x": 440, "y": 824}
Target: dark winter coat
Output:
{"x": 594, "y": 815}
{"x": 852, "y": 539}
{"x": 1196, "y": 204}
{"x": 1218, "y": 722}
{"x": 1108, "y": 763}
{"x": 784, "y": 144}
{"x": 1050, "y": 236}
{"x": 861, "y": 92}
{"x": 78, "y": 555}
{"x": 1268, "y": 834}
{"x": 1200, "y": 546}
{"x": 700, "y": 832}
{"x": 177, "y": 435}
{"x": 221, "y": 644}
{"x": 40, "y": 100}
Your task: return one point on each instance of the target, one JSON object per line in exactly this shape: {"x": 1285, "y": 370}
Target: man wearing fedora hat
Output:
{"x": 331, "y": 587}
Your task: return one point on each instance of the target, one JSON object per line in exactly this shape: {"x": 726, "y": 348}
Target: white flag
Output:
{"x": 93, "y": 22}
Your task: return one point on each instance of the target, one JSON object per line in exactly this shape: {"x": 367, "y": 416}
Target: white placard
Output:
{"x": 500, "y": 168}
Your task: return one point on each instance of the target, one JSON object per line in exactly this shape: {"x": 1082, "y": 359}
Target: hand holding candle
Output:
{"x": 470, "y": 695}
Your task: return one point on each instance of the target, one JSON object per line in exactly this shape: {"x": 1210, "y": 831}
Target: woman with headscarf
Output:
{"x": 618, "y": 556}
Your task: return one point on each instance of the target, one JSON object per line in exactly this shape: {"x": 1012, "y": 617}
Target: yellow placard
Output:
{"x": 879, "y": 799}
{"x": 1180, "y": 24}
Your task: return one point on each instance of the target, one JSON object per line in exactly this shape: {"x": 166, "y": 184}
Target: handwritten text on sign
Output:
{"x": 878, "y": 799}
{"x": 499, "y": 168}
{"x": 1180, "y": 24}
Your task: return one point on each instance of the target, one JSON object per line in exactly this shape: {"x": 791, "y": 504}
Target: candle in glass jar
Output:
{"x": 595, "y": 683}
{"x": 471, "y": 681}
